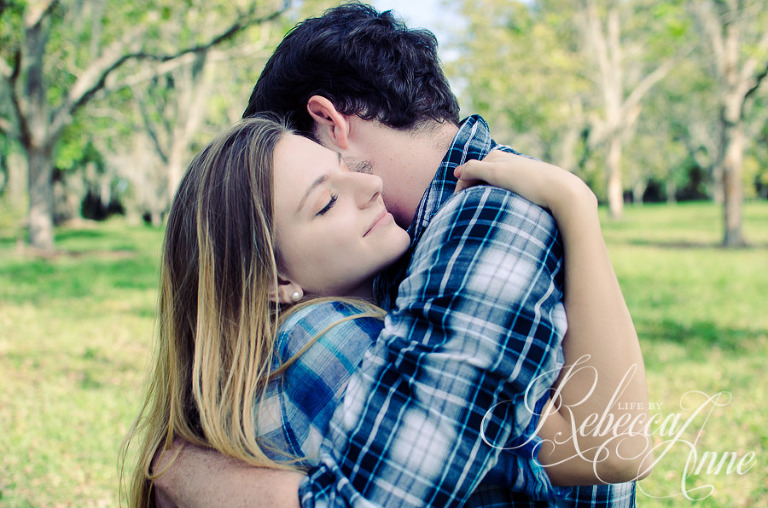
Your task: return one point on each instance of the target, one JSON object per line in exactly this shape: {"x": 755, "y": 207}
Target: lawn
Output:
{"x": 78, "y": 327}
{"x": 702, "y": 317}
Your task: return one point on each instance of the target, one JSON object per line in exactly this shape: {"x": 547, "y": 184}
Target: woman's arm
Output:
{"x": 594, "y": 427}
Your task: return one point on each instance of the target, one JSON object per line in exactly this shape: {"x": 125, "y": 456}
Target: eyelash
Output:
{"x": 330, "y": 204}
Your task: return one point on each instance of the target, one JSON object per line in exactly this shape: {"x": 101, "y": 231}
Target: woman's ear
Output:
{"x": 287, "y": 292}
{"x": 331, "y": 127}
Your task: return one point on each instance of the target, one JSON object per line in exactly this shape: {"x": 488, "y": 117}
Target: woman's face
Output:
{"x": 333, "y": 230}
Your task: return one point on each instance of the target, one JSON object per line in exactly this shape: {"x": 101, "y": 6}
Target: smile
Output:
{"x": 381, "y": 220}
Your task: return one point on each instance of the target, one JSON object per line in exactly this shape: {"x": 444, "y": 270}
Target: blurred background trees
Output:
{"x": 647, "y": 101}
{"x": 69, "y": 72}
{"x": 103, "y": 103}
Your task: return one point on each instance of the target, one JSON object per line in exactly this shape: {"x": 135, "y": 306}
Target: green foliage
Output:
{"x": 79, "y": 77}
{"x": 671, "y": 21}
{"x": 10, "y": 25}
{"x": 525, "y": 66}
{"x": 520, "y": 70}
{"x": 76, "y": 149}
{"x": 78, "y": 328}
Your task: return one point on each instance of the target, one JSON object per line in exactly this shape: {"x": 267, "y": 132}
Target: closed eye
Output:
{"x": 331, "y": 202}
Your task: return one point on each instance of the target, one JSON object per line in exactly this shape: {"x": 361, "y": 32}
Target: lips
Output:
{"x": 382, "y": 219}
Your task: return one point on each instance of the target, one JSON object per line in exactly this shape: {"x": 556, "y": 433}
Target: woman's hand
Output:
{"x": 546, "y": 185}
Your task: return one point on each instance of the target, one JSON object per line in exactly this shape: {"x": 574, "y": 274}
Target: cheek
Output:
{"x": 397, "y": 207}
{"x": 319, "y": 252}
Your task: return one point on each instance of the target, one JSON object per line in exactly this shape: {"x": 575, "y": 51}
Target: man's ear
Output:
{"x": 287, "y": 292}
{"x": 331, "y": 127}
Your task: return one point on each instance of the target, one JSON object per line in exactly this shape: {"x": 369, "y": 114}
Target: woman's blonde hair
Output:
{"x": 216, "y": 319}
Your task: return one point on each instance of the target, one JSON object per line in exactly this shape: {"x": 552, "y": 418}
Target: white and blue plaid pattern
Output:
{"x": 472, "y": 342}
{"x": 292, "y": 417}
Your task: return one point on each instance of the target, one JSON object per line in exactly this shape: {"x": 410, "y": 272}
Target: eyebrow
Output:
{"x": 314, "y": 185}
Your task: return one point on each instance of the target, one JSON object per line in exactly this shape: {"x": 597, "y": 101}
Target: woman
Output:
{"x": 244, "y": 243}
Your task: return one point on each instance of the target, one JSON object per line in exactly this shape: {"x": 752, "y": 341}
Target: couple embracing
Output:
{"x": 375, "y": 304}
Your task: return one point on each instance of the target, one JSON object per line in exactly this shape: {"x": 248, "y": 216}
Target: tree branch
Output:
{"x": 5, "y": 125}
{"x": 712, "y": 31}
{"x": 649, "y": 80}
{"x": 6, "y": 71}
{"x": 152, "y": 132}
{"x": 145, "y": 74}
{"x": 95, "y": 77}
{"x": 36, "y": 16}
{"x": 758, "y": 81}
{"x": 751, "y": 65}
{"x": 593, "y": 33}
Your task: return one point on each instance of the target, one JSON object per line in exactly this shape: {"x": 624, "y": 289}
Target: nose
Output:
{"x": 367, "y": 188}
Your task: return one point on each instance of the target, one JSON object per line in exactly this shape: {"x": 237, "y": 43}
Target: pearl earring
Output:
{"x": 296, "y": 296}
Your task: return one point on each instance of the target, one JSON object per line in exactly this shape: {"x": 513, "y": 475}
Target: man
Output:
{"x": 366, "y": 86}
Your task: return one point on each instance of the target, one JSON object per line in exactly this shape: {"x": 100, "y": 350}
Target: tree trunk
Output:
{"x": 638, "y": 190}
{"x": 18, "y": 179}
{"x": 740, "y": 73}
{"x": 37, "y": 139}
{"x": 194, "y": 92}
{"x": 615, "y": 187}
{"x": 671, "y": 191}
{"x": 40, "y": 167}
{"x": 733, "y": 145}
{"x": 175, "y": 166}
{"x": 718, "y": 189}
{"x": 566, "y": 149}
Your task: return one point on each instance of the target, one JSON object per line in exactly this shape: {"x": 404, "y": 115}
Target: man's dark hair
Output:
{"x": 366, "y": 63}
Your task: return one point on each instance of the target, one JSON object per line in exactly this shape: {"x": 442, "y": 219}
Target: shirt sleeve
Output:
{"x": 464, "y": 360}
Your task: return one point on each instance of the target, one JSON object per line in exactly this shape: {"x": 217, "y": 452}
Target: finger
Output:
{"x": 497, "y": 155}
{"x": 466, "y": 184}
{"x": 474, "y": 170}
{"x": 460, "y": 186}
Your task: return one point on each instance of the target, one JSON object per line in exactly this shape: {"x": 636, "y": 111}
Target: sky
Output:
{"x": 429, "y": 14}
{"x": 432, "y": 15}
{"x": 422, "y": 13}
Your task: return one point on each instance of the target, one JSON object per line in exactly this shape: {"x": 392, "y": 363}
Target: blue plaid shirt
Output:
{"x": 326, "y": 342}
{"x": 472, "y": 342}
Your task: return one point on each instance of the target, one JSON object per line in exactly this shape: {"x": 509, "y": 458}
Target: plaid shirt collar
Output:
{"x": 472, "y": 141}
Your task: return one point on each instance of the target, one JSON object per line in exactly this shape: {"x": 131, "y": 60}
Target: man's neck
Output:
{"x": 422, "y": 150}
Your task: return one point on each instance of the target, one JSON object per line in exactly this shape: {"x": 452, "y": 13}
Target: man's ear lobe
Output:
{"x": 287, "y": 292}
{"x": 331, "y": 127}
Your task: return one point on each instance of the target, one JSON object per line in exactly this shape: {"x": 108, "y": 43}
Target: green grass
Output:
{"x": 73, "y": 352}
{"x": 77, "y": 330}
{"x": 702, "y": 316}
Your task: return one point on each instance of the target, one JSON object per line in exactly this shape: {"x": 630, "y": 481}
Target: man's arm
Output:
{"x": 465, "y": 359}
{"x": 205, "y": 478}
